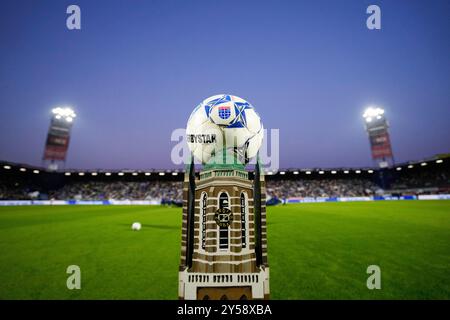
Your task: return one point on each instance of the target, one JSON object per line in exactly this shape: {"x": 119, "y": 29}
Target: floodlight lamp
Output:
{"x": 67, "y": 113}
{"x": 373, "y": 112}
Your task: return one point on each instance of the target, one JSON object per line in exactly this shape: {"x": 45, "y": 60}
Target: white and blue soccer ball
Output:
{"x": 224, "y": 121}
{"x": 136, "y": 226}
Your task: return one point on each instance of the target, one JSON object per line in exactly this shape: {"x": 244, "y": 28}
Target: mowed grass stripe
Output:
{"x": 335, "y": 242}
{"x": 316, "y": 251}
{"x": 115, "y": 262}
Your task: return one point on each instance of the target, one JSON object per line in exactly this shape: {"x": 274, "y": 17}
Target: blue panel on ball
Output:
{"x": 236, "y": 124}
{"x": 207, "y": 110}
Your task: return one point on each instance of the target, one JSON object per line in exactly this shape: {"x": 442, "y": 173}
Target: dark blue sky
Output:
{"x": 137, "y": 69}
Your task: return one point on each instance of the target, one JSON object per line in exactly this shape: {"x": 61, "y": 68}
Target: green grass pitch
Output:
{"x": 316, "y": 251}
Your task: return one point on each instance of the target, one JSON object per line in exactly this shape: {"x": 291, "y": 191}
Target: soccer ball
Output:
{"x": 224, "y": 122}
{"x": 136, "y": 226}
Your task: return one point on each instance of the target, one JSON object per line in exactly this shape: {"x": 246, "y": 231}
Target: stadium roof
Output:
{"x": 18, "y": 167}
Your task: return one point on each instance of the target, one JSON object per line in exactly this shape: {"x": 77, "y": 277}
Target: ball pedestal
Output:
{"x": 224, "y": 234}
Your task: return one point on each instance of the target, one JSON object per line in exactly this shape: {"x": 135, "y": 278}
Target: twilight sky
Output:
{"x": 137, "y": 69}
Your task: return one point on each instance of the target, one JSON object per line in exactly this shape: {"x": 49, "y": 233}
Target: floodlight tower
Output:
{"x": 58, "y": 136}
{"x": 377, "y": 127}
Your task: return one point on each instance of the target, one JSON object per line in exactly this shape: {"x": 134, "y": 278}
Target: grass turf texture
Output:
{"x": 316, "y": 251}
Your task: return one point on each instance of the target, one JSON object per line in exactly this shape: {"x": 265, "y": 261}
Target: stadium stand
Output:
{"x": 352, "y": 187}
{"x": 21, "y": 182}
{"x": 120, "y": 190}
